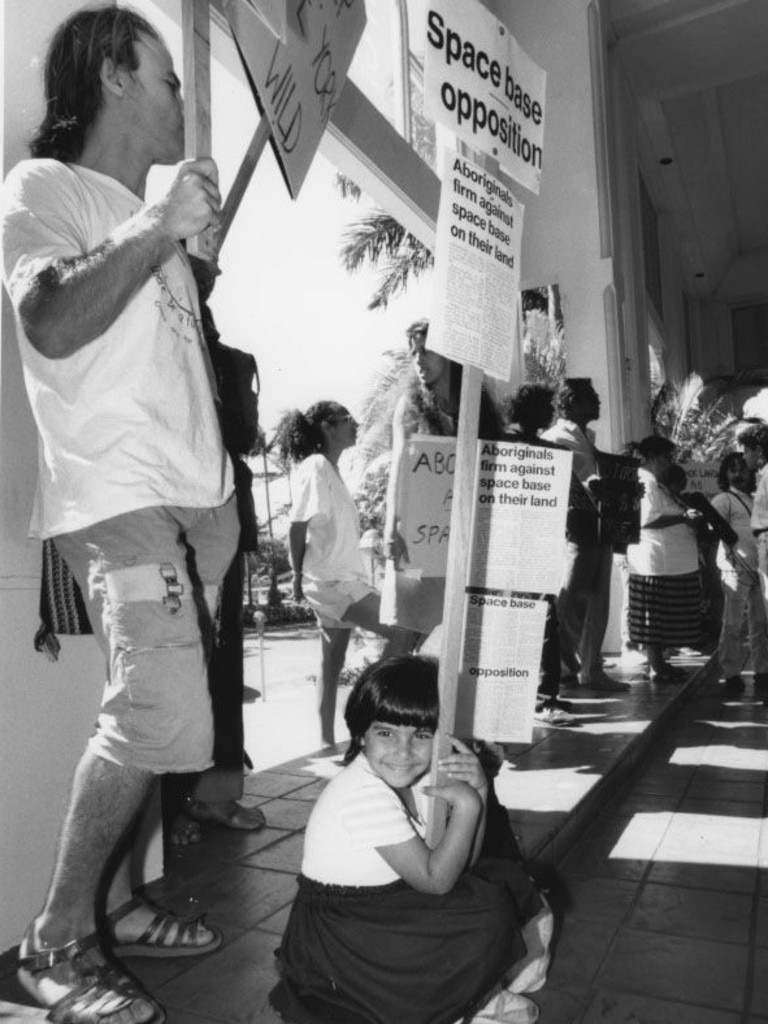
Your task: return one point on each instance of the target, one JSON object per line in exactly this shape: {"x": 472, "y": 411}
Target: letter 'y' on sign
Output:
{"x": 297, "y": 82}
{"x": 482, "y": 86}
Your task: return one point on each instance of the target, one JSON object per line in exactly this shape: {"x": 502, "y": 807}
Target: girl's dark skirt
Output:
{"x": 392, "y": 955}
{"x": 665, "y": 609}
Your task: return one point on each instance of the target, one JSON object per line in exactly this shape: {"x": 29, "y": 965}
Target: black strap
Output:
{"x": 741, "y": 500}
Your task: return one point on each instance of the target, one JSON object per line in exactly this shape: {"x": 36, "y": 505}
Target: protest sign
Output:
{"x": 426, "y": 493}
{"x": 412, "y": 594}
{"x": 480, "y": 84}
{"x": 477, "y": 261}
{"x": 519, "y": 520}
{"x": 500, "y": 666}
{"x": 297, "y": 82}
{"x": 619, "y": 499}
{"x": 702, "y": 477}
{"x": 273, "y": 13}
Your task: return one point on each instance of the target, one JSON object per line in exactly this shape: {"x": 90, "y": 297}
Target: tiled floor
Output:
{"x": 659, "y": 878}
{"x": 668, "y": 915}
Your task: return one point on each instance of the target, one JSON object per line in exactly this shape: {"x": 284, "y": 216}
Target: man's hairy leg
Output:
{"x": 103, "y": 805}
{"x": 104, "y": 802}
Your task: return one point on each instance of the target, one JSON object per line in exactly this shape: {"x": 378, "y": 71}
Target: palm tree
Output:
{"x": 379, "y": 240}
{"x": 695, "y": 417}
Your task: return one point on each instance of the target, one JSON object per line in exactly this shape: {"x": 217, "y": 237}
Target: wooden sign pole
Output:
{"x": 196, "y": 43}
{"x": 459, "y": 547}
{"x": 244, "y": 175}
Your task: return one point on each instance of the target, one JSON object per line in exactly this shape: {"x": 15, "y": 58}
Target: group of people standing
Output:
{"x": 743, "y": 563}
{"x": 662, "y": 570}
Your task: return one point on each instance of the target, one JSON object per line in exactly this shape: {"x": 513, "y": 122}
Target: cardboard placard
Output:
{"x": 297, "y": 82}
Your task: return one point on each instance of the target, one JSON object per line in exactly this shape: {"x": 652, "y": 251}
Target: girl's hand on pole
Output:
{"x": 459, "y": 796}
{"x": 463, "y": 765}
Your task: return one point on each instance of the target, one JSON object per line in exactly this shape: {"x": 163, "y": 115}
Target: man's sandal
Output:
{"x": 166, "y": 935}
{"x": 229, "y": 813}
{"x": 97, "y": 989}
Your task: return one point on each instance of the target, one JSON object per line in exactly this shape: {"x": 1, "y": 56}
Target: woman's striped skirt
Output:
{"x": 665, "y": 609}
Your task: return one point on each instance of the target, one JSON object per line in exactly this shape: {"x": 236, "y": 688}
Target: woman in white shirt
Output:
{"x": 664, "y": 584}
{"x": 324, "y": 545}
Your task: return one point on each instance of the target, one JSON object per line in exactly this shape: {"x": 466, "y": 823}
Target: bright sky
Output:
{"x": 283, "y": 294}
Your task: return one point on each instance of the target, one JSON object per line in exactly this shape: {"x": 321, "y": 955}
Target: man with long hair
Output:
{"x": 134, "y": 484}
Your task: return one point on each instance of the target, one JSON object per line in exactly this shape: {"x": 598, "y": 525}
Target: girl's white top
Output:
{"x": 356, "y": 812}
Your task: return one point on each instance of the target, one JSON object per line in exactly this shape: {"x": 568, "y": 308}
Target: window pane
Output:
{"x": 377, "y": 68}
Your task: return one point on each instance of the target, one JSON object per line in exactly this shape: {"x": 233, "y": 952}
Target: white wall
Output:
{"x": 48, "y": 709}
{"x": 562, "y": 241}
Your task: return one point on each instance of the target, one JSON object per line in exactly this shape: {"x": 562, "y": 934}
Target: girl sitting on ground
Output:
{"x": 383, "y": 927}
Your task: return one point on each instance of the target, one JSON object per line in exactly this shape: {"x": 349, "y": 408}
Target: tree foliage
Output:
{"x": 695, "y": 417}
{"x": 379, "y": 240}
{"x": 371, "y": 497}
{"x": 270, "y": 559}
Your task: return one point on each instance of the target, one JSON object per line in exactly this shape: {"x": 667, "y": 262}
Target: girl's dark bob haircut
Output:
{"x": 400, "y": 691}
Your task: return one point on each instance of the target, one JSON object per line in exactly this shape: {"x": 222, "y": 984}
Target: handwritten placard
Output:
{"x": 702, "y": 477}
{"x": 297, "y": 82}
{"x": 426, "y": 489}
{"x": 619, "y": 499}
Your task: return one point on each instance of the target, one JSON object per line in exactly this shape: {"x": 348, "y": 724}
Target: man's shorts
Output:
{"x": 151, "y": 582}
{"x": 330, "y": 599}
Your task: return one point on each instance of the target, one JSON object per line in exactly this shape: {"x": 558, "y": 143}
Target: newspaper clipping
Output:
{"x": 519, "y": 519}
{"x": 500, "y": 670}
{"x": 477, "y": 260}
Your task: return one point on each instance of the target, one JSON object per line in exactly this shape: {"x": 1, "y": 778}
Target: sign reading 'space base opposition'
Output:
{"x": 480, "y": 84}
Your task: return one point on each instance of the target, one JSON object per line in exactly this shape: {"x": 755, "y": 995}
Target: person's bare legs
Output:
{"x": 334, "y": 641}
{"x": 103, "y": 805}
{"x": 333, "y": 648}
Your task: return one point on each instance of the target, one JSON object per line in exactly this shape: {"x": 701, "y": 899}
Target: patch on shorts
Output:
{"x": 157, "y": 581}
{"x": 174, "y": 589}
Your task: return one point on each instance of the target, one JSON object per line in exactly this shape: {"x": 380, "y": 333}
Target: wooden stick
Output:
{"x": 244, "y": 175}
{"x": 196, "y": 39}
{"x": 459, "y": 550}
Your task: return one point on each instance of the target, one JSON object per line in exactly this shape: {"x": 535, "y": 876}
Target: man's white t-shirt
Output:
{"x": 128, "y": 421}
{"x": 355, "y": 813}
{"x": 321, "y": 498}
{"x": 582, "y": 443}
